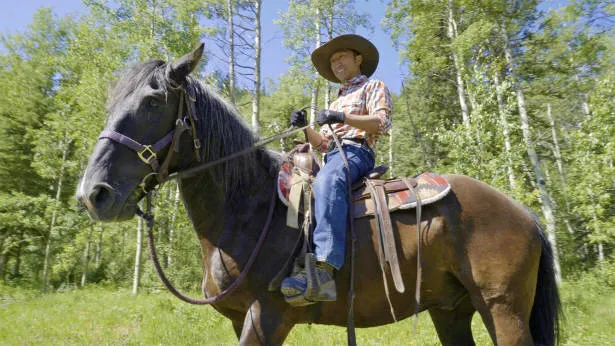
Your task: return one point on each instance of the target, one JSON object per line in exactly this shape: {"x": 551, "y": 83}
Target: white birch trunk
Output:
{"x": 558, "y": 161}
{"x": 2, "y": 259}
{"x": 86, "y": 256}
{"x": 173, "y": 225}
{"x": 505, "y": 130}
{"x": 547, "y": 208}
{"x": 257, "y": 67}
{"x": 314, "y": 102}
{"x": 47, "y": 260}
{"x": 391, "y": 168}
{"x": 137, "y": 273}
{"x": 329, "y": 38}
{"x": 556, "y": 150}
{"x": 231, "y": 54}
{"x": 452, "y": 34}
{"x": 415, "y": 131}
{"x": 98, "y": 246}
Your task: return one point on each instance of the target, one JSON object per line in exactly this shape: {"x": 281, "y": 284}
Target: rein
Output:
{"x": 149, "y": 218}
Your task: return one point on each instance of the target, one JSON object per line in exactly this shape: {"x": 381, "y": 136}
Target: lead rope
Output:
{"x": 149, "y": 218}
{"x": 352, "y": 338}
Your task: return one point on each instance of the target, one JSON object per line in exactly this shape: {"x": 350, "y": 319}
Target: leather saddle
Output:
{"x": 371, "y": 196}
{"x": 302, "y": 166}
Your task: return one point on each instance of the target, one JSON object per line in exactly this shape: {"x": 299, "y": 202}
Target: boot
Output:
{"x": 322, "y": 287}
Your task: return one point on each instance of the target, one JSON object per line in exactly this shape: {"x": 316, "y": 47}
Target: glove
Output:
{"x": 326, "y": 116}
{"x": 298, "y": 118}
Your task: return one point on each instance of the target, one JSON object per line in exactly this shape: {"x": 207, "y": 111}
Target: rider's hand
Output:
{"x": 298, "y": 118}
{"x": 326, "y": 116}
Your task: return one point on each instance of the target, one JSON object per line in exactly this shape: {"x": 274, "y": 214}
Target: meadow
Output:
{"x": 99, "y": 315}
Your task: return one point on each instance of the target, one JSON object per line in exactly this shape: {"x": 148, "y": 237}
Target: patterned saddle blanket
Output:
{"x": 430, "y": 188}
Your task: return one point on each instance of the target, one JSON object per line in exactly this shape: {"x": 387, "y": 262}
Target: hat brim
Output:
{"x": 321, "y": 56}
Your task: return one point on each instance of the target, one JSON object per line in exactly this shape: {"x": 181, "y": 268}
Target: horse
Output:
{"x": 480, "y": 250}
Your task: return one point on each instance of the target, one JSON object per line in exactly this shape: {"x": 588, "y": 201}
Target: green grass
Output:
{"x": 99, "y": 316}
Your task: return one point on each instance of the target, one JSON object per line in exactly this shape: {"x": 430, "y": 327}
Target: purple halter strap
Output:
{"x": 147, "y": 153}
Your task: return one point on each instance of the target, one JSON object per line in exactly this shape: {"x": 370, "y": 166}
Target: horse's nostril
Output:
{"x": 100, "y": 195}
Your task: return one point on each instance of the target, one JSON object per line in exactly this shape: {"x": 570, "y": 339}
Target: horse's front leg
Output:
{"x": 267, "y": 322}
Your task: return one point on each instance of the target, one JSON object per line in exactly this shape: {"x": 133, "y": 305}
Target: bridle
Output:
{"x": 148, "y": 154}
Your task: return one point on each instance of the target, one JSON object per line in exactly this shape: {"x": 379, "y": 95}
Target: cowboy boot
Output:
{"x": 315, "y": 282}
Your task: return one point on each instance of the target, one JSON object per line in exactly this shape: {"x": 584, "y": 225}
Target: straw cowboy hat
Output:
{"x": 322, "y": 54}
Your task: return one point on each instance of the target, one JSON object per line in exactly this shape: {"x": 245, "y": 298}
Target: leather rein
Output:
{"x": 148, "y": 154}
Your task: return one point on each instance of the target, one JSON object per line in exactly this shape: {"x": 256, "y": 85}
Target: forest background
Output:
{"x": 512, "y": 93}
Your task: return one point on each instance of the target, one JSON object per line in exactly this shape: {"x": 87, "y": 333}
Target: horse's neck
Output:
{"x": 224, "y": 218}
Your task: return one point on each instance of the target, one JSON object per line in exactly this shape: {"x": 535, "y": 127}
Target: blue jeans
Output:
{"x": 331, "y": 204}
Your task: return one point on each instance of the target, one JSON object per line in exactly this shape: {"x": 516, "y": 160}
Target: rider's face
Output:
{"x": 345, "y": 64}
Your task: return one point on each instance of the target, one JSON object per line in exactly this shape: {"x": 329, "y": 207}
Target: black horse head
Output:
{"x": 143, "y": 111}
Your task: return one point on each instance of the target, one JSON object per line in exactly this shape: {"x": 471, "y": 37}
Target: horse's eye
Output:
{"x": 153, "y": 103}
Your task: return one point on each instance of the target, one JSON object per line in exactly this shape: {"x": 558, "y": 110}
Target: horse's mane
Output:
{"x": 223, "y": 132}
{"x": 220, "y": 128}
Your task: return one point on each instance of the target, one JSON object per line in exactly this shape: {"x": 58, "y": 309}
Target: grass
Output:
{"x": 102, "y": 316}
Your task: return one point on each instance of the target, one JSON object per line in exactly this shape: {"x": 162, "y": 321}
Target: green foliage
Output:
{"x": 98, "y": 315}
{"x": 55, "y": 75}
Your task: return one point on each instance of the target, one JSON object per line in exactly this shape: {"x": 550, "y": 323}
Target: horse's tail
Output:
{"x": 546, "y": 312}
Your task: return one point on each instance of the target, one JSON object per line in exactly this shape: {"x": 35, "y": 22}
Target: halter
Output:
{"x": 148, "y": 153}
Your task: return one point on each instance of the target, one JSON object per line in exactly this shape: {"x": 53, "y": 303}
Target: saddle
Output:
{"x": 300, "y": 169}
{"x": 371, "y": 196}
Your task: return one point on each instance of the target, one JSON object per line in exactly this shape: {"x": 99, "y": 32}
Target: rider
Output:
{"x": 361, "y": 113}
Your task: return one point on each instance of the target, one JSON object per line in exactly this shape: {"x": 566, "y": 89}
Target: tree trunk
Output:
{"x": 452, "y": 34}
{"x": 560, "y": 166}
{"x": 86, "y": 256}
{"x": 547, "y": 208}
{"x": 231, "y": 54}
{"x": 98, "y": 246}
{"x": 417, "y": 135}
{"x": 505, "y": 130}
{"x": 257, "y": 67}
{"x": 314, "y": 103}
{"x": 329, "y": 38}
{"x": 137, "y": 274}
{"x": 173, "y": 224}
{"x": 47, "y": 260}
{"x": 391, "y": 168}
{"x": 556, "y": 150}
{"x": 2, "y": 259}
{"x": 16, "y": 269}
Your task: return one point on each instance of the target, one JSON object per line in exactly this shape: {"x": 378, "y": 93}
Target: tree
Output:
{"x": 303, "y": 25}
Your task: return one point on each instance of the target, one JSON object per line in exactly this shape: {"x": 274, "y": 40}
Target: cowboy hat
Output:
{"x": 321, "y": 56}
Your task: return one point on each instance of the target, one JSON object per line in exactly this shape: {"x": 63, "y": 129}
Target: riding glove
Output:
{"x": 326, "y": 116}
{"x": 298, "y": 118}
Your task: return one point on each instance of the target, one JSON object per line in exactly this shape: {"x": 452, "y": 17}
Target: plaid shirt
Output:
{"x": 360, "y": 96}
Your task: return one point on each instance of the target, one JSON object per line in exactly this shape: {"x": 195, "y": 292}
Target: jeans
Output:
{"x": 331, "y": 204}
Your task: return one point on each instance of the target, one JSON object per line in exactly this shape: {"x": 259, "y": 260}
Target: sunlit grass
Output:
{"x": 99, "y": 316}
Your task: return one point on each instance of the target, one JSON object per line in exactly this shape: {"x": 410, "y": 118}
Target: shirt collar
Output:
{"x": 354, "y": 81}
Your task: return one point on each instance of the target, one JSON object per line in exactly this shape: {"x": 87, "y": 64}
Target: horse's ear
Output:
{"x": 180, "y": 69}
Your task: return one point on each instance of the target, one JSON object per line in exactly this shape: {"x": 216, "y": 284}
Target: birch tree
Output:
{"x": 545, "y": 199}
{"x": 306, "y": 25}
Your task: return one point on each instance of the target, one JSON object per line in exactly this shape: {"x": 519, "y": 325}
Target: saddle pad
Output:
{"x": 429, "y": 186}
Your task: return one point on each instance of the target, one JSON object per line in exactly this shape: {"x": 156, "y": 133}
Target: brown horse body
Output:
{"x": 480, "y": 250}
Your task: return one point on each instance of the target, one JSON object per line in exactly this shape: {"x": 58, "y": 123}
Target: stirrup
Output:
{"x": 314, "y": 292}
